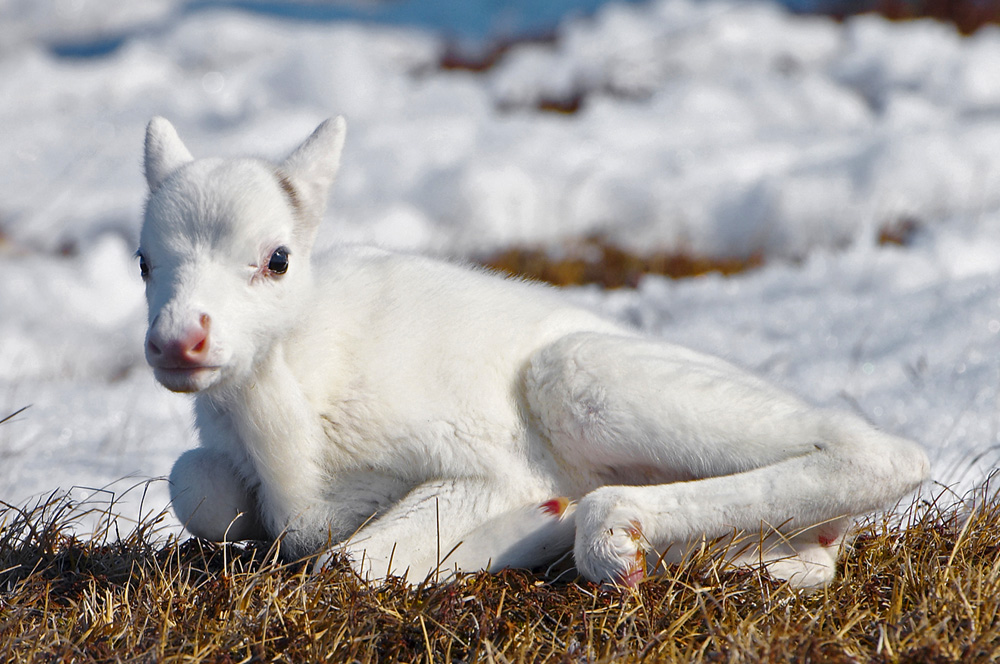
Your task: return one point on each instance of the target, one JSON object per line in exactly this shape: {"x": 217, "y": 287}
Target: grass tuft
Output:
{"x": 594, "y": 261}
{"x": 920, "y": 587}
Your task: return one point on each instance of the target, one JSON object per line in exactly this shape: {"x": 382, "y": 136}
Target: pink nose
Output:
{"x": 189, "y": 349}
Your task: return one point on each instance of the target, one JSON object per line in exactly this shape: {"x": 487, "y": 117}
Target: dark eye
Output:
{"x": 279, "y": 261}
{"x": 143, "y": 267}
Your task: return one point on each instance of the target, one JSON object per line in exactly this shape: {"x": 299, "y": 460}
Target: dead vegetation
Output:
{"x": 595, "y": 261}
{"x": 900, "y": 232}
{"x": 968, "y": 16}
{"x": 926, "y": 590}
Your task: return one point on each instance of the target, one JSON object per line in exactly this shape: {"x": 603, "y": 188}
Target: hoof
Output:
{"x": 636, "y": 569}
{"x": 616, "y": 556}
{"x": 556, "y": 507}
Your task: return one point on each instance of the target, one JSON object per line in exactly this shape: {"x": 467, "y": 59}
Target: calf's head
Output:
{"x": 224, "y": 252}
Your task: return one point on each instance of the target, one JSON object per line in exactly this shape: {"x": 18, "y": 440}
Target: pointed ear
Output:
{"x": 312, "y": 167}
{"x": 165, "y": 152}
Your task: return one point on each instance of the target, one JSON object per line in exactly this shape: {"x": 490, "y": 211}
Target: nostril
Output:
{"x": 153, "y": 348}
{"x": 197, "y": 342}
{"x": 202, "y": 346}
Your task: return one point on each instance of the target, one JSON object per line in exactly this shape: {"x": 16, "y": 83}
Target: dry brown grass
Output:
{"x": 595, "y": 261}
{"x": 927, "y": 590}
{"x": 968, "y": 16}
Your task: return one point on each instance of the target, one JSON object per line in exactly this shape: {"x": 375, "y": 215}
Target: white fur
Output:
{"x": 417, "y": 415}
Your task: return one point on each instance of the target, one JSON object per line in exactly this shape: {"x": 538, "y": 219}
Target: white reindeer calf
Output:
{"x": 417, "y": 416}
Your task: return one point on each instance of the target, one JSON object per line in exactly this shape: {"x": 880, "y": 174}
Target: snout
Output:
{"x": 181, "y": 357}
{"x": 187, "y": 349}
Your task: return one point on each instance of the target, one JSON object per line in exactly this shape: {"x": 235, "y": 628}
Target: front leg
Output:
{"x": 210, "y": 500}
{"x": 460, "y": 525}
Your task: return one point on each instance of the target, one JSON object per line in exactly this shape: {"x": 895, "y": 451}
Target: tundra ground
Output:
{"x": 923, "y": 586}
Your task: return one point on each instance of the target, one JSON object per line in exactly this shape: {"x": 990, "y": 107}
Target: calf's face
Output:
{"x": 224, "y": 254}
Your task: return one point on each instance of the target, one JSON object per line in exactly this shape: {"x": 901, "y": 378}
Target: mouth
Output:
{"x": 186, "y": 378}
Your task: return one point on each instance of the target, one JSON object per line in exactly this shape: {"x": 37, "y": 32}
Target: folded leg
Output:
{"x": 623, "y": 410}
{"x": 806, "y": 558}
{"x": 459, "y": 525}
{"x": 806, "y": 499}
{"x": 210, "y": 500}
{"x": 528, "y": 537}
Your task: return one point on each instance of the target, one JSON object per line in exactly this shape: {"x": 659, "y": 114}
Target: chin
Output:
{"x": 187, "y": 380}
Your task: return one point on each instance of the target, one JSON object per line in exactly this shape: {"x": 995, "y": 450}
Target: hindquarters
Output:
{"x": 628, "y": 410}
{"x": 670, "y": 446}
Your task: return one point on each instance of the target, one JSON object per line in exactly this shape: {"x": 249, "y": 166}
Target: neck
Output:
{"x": 282, "y": 436}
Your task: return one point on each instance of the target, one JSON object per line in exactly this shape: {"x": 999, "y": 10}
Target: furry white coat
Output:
{"x": 419, "y": 416}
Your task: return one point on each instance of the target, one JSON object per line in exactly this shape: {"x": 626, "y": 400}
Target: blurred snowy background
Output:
{"x": 715, "y": 128}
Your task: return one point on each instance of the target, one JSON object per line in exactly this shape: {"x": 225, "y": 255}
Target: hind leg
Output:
{"x": 463, "y": 525}
{"x": 645, "y": 414}
{"x": 807, "y": 559}
{"x": 210, "y": 500}
{"x": 528, "y": 537}
{"x": 617, "y": 524}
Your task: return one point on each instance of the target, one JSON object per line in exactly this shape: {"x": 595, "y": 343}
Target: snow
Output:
{"x": 727, "y": 129}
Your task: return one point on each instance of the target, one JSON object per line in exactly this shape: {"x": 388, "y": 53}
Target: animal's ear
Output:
{"x": 165, "y": 152}
{"x": 313, "y": 165}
